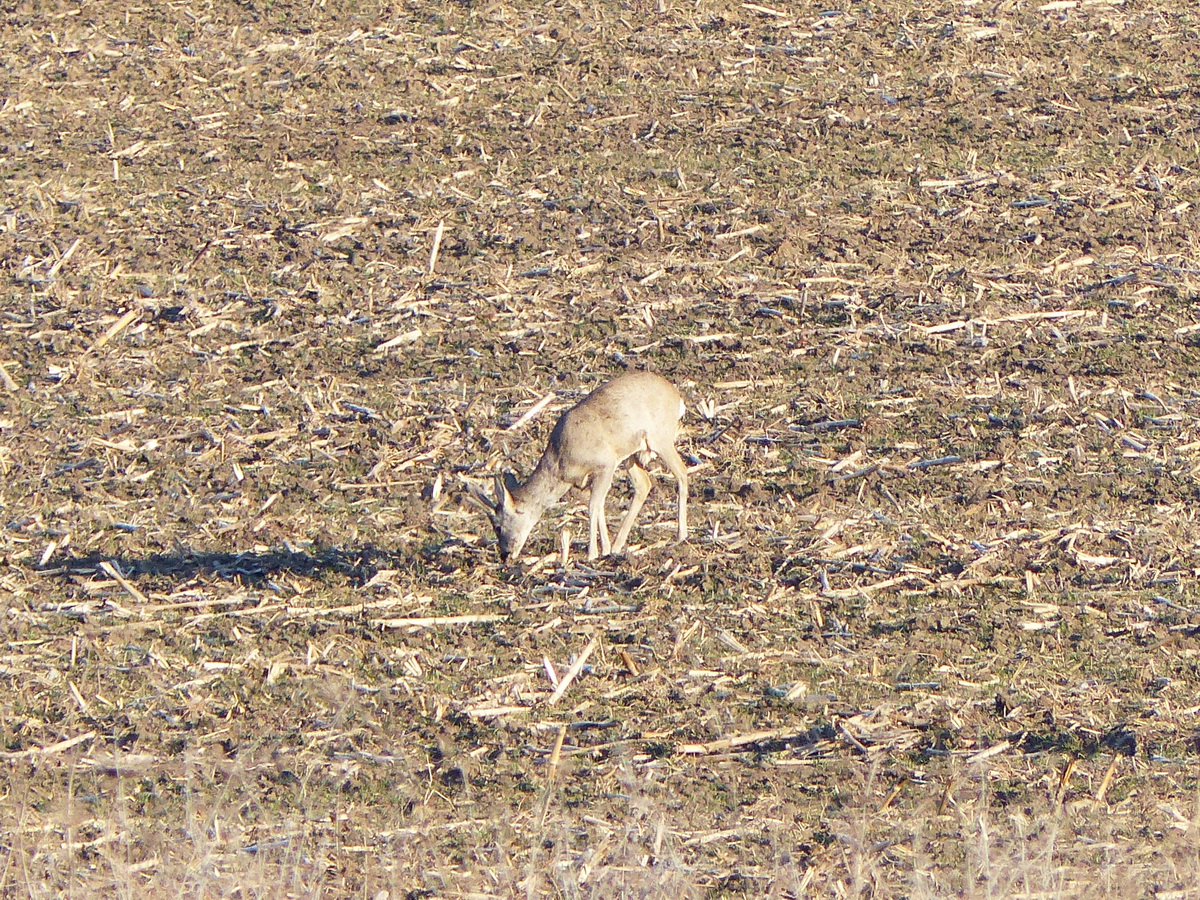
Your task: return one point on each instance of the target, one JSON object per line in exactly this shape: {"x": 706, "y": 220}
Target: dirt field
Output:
{"x": 280, "y": 279}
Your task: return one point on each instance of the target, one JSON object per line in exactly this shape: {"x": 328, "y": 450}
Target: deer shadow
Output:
{"x": 356, "y": 564}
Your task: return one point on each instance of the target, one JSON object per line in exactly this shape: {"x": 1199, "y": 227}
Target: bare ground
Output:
{"x": 279, "y": 279}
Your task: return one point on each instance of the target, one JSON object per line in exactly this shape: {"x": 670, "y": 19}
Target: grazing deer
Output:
{"x": 635, "y": 416}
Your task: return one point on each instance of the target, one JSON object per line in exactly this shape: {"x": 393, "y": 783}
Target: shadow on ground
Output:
{"x": 358, "y": 564}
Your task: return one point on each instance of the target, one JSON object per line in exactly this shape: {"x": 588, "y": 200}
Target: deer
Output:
{"x": 633, "y": 417}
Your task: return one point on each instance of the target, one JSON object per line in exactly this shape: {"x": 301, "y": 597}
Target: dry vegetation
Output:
{"x": 280, "y": 278}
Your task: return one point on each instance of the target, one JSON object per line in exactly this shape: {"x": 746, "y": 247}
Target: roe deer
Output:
{"x": 635, "y": 416}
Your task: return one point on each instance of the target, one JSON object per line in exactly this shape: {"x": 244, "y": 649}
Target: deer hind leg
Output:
{"x": 597, "y": 524}
{"x": 641, "y": 481}
{"x": 673, "y": 461}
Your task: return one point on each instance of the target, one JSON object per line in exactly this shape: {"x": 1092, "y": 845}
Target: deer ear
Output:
{"x": 477, "y": 496}
{"x": 502, "y": 494}
{"x": 506, "y": 483}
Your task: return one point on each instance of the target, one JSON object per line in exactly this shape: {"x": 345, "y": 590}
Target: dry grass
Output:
{"x": 278, "y": 280}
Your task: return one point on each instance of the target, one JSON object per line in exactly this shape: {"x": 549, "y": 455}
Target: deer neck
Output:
{"x": 545, "y": 486}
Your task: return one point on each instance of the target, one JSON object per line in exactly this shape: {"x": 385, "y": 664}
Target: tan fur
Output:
{"x": 633, "y": 417}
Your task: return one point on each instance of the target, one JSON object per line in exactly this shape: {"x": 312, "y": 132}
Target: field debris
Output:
{"x": 282, "y": 281}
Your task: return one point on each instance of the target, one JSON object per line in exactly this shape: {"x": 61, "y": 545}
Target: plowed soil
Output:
{"x": 281, "y": 279}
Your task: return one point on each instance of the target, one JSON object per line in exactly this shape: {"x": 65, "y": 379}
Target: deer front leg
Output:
{"x": 597, "y": 526}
